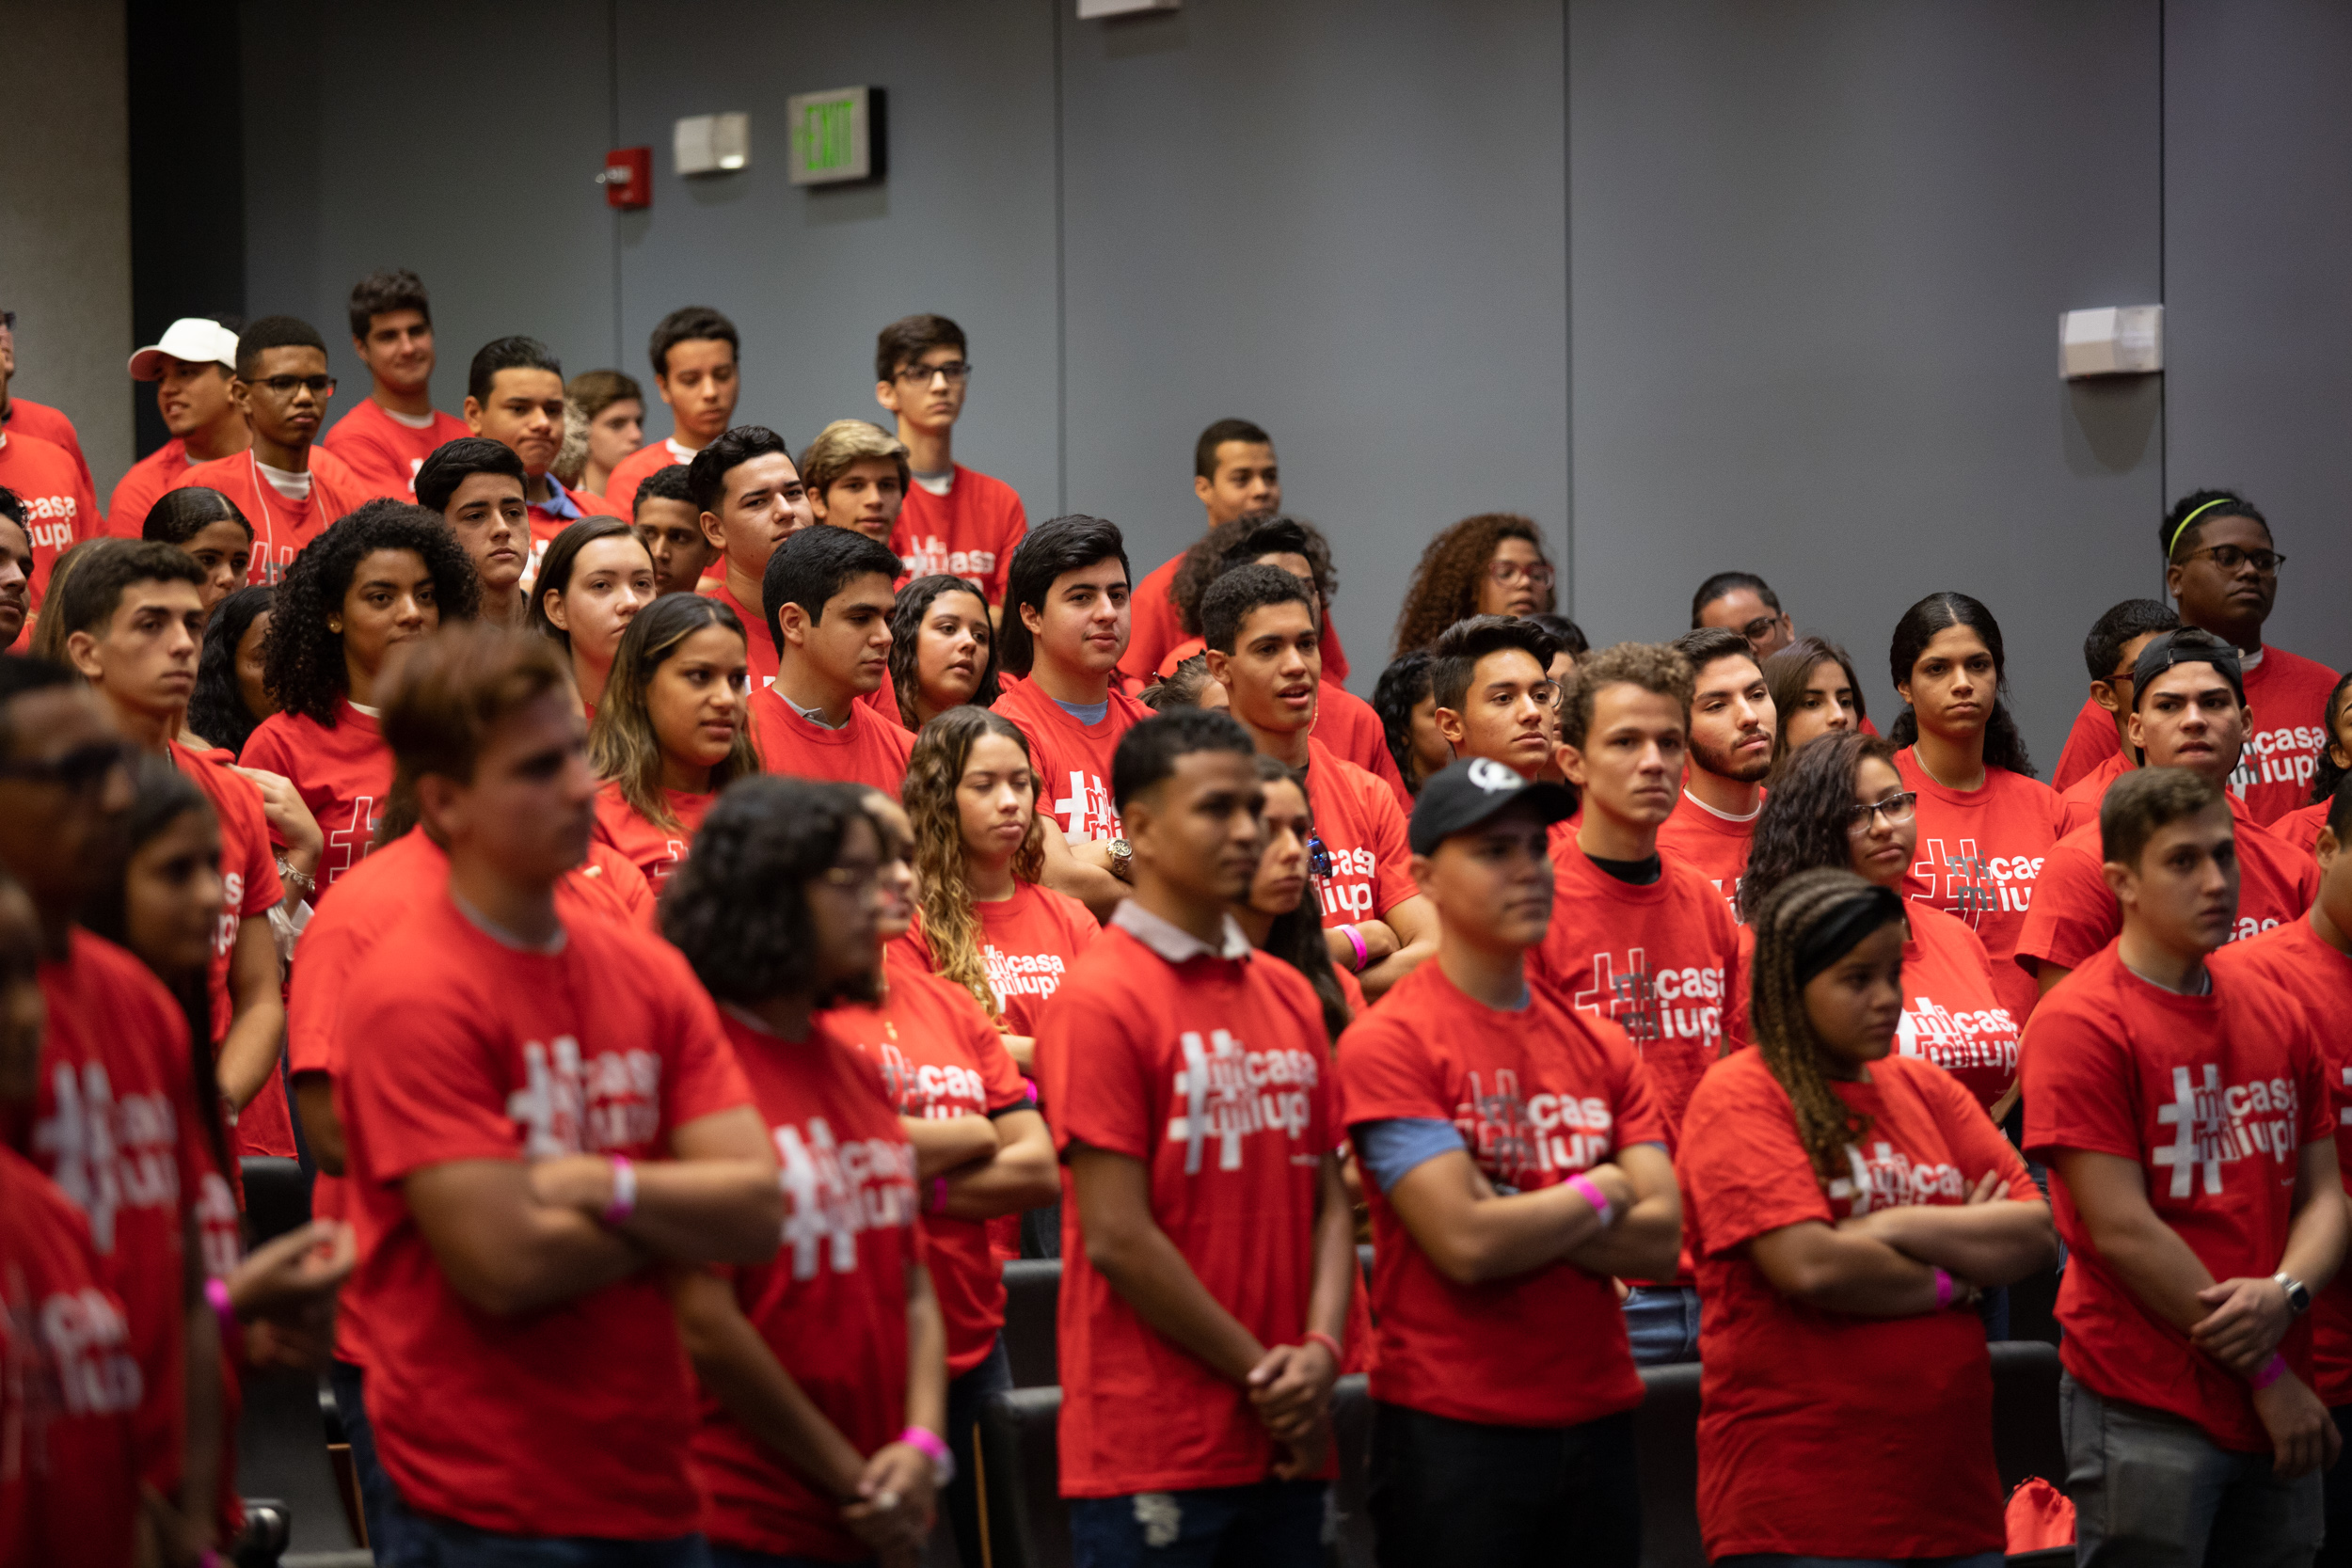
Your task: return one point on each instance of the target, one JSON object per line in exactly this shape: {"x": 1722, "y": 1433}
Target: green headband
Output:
{"x": 2226, "y": 501}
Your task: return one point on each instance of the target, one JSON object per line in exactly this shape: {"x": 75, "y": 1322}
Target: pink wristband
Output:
{"x": 1943, "y": 1290}
{"x": 2271, "y": 1371}
{"x": 1589, "y": 1190}
{"x": 933, "y": 1444}
{"x": 1316, "y": 1337}
{"x": 623, "y": 1190}
{"x": 1355, "y": 940}
{"x": 217, "y": 1292}
{"x": 938, "y": 1199}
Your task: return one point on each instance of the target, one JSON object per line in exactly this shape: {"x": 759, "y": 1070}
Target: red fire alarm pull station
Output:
{"x": 628, "y": 177}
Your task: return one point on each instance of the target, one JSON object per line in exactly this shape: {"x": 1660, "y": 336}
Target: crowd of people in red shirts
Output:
{"x": 696, "y": 911}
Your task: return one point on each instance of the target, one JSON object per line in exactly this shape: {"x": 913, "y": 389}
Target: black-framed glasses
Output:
{"x": 82, "y": 769}
{"x": 1761, "y": 627}
{"x": 2230, "y": 557}
{"x": 1318, "y": 858}
{"x": 285, "y": 385}
{"x": 1533, "y": 573}
{"x": 1896, "y": 808}
{"x": 956, "y": 370}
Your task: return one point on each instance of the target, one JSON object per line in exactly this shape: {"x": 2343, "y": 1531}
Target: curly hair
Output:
{"x": 622, "y": 744}
{"x": 1445, "y": 585}
{"x": 1181, "y": 687}
{"x": 1658, "y": 668}
{"x": 302, "y": 662}
{"x": 2326, "y": 773}
{"x": 1803, "y": 825}
{"x": 216, "y": 707}
{"x": 1401, "y": 688}
{"x": 906, "y": 626}
{"x": 2004, "y": 747}
{"x": 1296, "y": 935}
{"x": 739, "y": 908}
{"x": 951, "y": 927}
{"x": 1793, "y": 1053}
{"x": 1215, "y": 552}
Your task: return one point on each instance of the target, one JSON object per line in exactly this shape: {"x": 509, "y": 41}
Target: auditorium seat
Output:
{"x": 1666, "y": 1445}
{"x": 2026, "y": 1436}
{"x": 1032, "y": 1292}
{"x": 277, "y": 1196}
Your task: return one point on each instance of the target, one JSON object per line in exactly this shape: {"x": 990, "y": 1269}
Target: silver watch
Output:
{"x": 2299, "y": 1293}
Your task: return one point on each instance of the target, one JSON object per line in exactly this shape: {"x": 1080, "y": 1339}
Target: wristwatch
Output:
{"x": 2299, "y": 1293}
{"x": 1123, "y": 860}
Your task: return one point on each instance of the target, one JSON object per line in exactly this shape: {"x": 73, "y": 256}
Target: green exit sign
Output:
{"x": 836, "y": 135}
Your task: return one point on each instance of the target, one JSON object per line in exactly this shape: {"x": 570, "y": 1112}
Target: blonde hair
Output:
{"x": 951, "y": 927}
{"x": 843, "y": 444}
{"x": 622, "y": 743}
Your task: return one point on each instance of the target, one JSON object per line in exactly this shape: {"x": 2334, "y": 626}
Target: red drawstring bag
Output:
{"x": 2039, "y": 1517}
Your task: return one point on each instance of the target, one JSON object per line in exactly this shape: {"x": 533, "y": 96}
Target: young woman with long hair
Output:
{"x": 1408, "y": 710}
{"x": 596, "y": 576}
{"x": 1283, "y": 914}
{"x": 1815, "y": 692}
{"x": 230, "y": 699}
{"x": 943, "y": 649}
{"x": 2330, "y": 762}
{"x": 209, "y": 527}
{"x": 1490, "y": 564}
{"x": 673, "y": 729}
{"x": 1844, "y": 1204}
{"x": 1985, "y": 822}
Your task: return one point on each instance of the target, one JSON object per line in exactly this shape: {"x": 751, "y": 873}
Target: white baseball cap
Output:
{"x": 197, "y": 339}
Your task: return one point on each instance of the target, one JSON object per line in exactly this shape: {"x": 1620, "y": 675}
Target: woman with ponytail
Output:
{"x": 1984, "y": 821}
{"x": 1844, "y": 1206}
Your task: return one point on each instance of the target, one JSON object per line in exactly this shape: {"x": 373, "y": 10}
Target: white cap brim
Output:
{"x": 193, "y": 339}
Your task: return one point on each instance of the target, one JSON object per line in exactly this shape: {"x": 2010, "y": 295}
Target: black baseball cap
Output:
{"x": 2186, "y": 645}
{"x": 1473, "y": 790}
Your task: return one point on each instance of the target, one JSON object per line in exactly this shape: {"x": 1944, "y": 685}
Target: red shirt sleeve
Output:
{"x": 2076, "y": 1075}
{"x": 1094, "y": 1085}
{"x": 438, "y": 1099}
{"x": 2073, "y": 912}
{"x": 1742, "y": 1167}
{"x": 1387, "y": 1069}
{"x": 1394, "y": 883}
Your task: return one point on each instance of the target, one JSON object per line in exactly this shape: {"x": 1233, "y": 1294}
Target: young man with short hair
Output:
{"x": 696, "y": 355}
{"x": 856, "y": 474}
{"x": 828, "y": 597}
{"x": 1639, "y": 937}
{"x": 1502, "y": 1385}
{"x": 1743, "y": 602}
{"x": 194, "y": 367}
{"x": 515, "y": 396}
{"x": 389, "y": 433}
{"x": 955, "y": 519}
{"x": 2183, "y": 1110}
{"x": 1207, "y": 1242}
{"x": 1234, "y": 475}
{"x": 749, "y": 499}
{"x": 670, "y": 525}
{"x": 2110, "y": 650}
{"x": 563, "y": 1110}
{"x": 24, "y": 417}
{"x": 288, "y": 489}
{"x": 1265, "y": 650}
{"x": 16, "y": 567}
{"x": 2188, "y": 711}
{"x": 2221, "y": 568}
{"x": 1732, "y": 726}
{"x": 1495, "y": 699}
{"x": 476, "y": 484}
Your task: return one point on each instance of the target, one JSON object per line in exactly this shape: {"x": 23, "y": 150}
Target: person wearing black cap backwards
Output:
{"x": 1845, "y": 1205}
{"x": 1516, "y": 1162}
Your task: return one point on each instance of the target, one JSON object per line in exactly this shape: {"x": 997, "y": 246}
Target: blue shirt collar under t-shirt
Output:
{"x": 1085, "y": 713}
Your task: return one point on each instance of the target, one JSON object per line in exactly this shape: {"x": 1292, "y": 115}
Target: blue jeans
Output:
{"x": 1778, "y": 1559}
{"x": 992, "y": 1375}
{"x": 390, "y": 1526}
{"x": 2153, "y": 1491}
{"x": 1271, "y": 1524}
{"x": 1449, "y": 1493}
{"x": 448, "y": 1544}
{"x": 1661, "y": 1323}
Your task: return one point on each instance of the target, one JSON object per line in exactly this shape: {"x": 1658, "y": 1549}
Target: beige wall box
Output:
{"x": 2114, "y": 340}
{"x": 712, "y": 144}
{"x": 1089, "y": 9}
{"x": 836, "y": 135}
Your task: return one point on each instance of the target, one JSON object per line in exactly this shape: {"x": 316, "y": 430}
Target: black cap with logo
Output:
{"x": 1473, "y": 790}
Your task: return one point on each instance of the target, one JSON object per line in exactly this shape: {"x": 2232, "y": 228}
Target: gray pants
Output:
{"x": 2153, "y": 1491}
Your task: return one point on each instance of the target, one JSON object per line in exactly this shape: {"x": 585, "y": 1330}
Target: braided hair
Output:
{"x": 1783, "y": 1029}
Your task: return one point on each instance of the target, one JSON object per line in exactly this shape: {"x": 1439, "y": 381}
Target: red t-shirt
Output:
{"x": 1537, "y": 1094}
{"x": 606, "y": 1046}
{"x": 939, "y": 1057}
{"x": 69, "y": 1488}
{"x": 60, "y": 509}
{"x": 1347, "y": 724}
{"x": 759, "y": 648}
{"x": 548, "y": 517}
{"x": 620, "y": 485}
{"x": 1660, "y": 961}
{"x": 2300, "y": 827}
{"x": 2075, "y": 912}
{"x": 868, "y": 750}
{"x": 1214, "y": 1073}
{"x": 2213, "y": 1096}
{"x": 1714, "y": 845}
{"x": 1028, "y": 941}
{"x": 342, "y": 775}
{"x": 1073, "y": 761}
{"x": 1980, "y": 852}
{"x": 116, "y": 1127}
{"x": 2292, "y": 959}
{"x": 1153, "y": 626}
{"x": 832, "y": 1306}
{"x": 1821, "y": 1433}
{"x": 44, "y": 423}
{"x": 971, "y": 531}
{"x": 2090, "y": 742}
{"x": 282, "y": 527}
{"x": 142, "y": 485}
{"x": 2289, "y": 696}
{"x": 386, "y": 452}
{"x": 248, "y": 871}
{"x": 2080, "y": 799}
{"x": 1358, "y": 819}
{"x": 655, "y": 851}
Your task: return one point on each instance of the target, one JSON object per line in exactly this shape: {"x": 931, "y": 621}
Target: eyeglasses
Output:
{"x": 2230, "y": 557}
{"x": 1759, "y": 629}
{"x": 82, "y": 769}
{"x": 1535, "y": 574}
{"x": 284, "y": 385}
{"x": 1318, "y": 860}
{"x": 855, "y": 877}
{"x": 956, "y": 371}
{"x": 1897, "y": 809}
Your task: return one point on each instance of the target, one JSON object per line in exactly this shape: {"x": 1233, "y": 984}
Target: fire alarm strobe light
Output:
{"x": 628, "y": 177}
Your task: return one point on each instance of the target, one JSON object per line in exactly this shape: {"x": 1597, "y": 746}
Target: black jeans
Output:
{"x": 992, "y": 1374}
{"x": 2335, "y": 1549}
{"x": 1447, "y": 1493}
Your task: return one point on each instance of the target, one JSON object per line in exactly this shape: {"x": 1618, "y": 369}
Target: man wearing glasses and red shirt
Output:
{"x": 955, "y": 519}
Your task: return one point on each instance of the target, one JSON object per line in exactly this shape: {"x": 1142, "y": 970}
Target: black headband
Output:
{"x": 1846, "y": 922}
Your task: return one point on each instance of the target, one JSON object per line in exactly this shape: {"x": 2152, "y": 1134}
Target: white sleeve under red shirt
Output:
{"x": 607, "y": 1046}
{"x": 1357, "y": 817}
{"x": 831, "y": 1308}
{"x": 343, "y": 771}
{"x": 386, "y": 449}
{"x": 1073, "y": 761}
{"x": 69, "y": 1488}
{"x": 2294, "y": 960}
{"x": 1028, "y": 941}
{"x": 941, "y": 1057}
{"x": 1214, "y": 1073}
{"x": 1714, "y": 845}
{"x": 248, "y": 870}
{"x": 1980, "y": 851}
{"x": 60, "y": 509}
{"x": 2213, "y": 1097}
{"x": 282, "y": 524}
{"x": 2288, "y": 694}
{"x": 620, "y": 486}
{"x": 1537, "y": 1094}
{"x": 1816, "y": 1428}
{"x": 142, "y": 485}
{"x": 868, "y": 750}
{"x": 2075, "y": 912}
{"x": 654, "y": 849}
{"x": 970, "y": 531}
